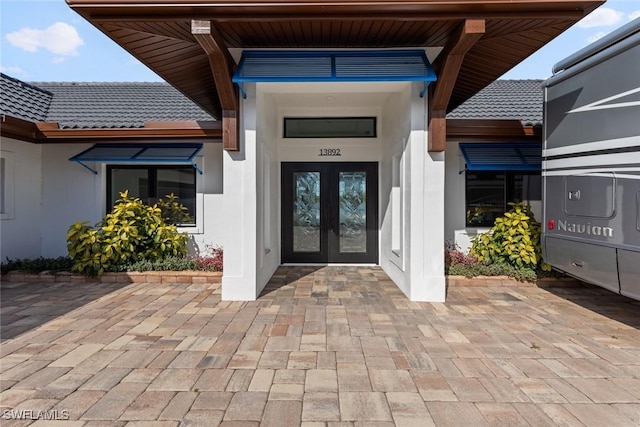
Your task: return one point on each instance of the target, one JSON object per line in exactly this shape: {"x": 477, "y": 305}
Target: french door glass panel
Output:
{"x": 352, "y": 188}
{"x": 306, "y": 212}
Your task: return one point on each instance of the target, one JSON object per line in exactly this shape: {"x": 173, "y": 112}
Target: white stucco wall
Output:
{"x": 396, "y": 129}
{"x": 70, "y": 193}
{"x": 51, "y": 193}
{"x": 20, "y": 224}
{"x": 239, "y": 280}
{"x": 268, "y": 188}
{"x": 209, "y": 201}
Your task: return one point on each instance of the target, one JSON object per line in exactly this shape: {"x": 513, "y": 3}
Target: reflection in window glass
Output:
{"x": 488, "y": 194}
{"x": 485, "y": 197}
{"x": 135, "y": 181}
{"x": 330, "y": 127}
{"x": 153, "y": 184}
{"x": 180, "y": 182}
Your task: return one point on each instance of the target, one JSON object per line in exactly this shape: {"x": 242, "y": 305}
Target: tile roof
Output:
{"x": 505, "y": 99}
{"x": 22, "y": 100}
{"x": 117, "y": 105}
{"x": 130, "y": 104}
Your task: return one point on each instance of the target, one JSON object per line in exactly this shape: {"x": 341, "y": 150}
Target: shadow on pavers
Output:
{"x": 602, "y": 301}
{"x": 28, "y": 305}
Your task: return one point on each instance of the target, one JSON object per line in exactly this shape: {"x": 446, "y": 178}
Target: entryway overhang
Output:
{"x": 160, "y": 34}
{"x": 288, "y": 66}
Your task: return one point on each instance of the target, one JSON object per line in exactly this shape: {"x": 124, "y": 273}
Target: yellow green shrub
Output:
{"x": 132, "y": 232}
{"x": 514, "y": 239}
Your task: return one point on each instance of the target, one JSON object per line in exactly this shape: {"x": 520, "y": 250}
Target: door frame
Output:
{"x": 329, "y": 219}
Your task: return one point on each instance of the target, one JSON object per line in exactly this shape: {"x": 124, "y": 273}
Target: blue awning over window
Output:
{"x": 179, "y": 154}
{"x": 334, "y": 66}
{"x": 519, "y": 156}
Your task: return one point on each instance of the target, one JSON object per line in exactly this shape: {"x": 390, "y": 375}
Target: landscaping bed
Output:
{"x": 187, "y": 277}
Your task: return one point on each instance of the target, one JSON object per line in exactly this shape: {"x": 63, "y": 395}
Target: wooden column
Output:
{"x": 448, "y": 65}
{"x": 222, "y": 66}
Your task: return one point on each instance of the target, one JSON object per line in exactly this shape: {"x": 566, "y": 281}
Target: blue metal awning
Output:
{"x": 181, "y": 154}
{"x": 516, "y": 156}
{"x": 333, "y": 66}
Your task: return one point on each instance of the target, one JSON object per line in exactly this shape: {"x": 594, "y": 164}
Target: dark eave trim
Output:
{"x": 475, "y": 130}
{"x": 208, "y": 131}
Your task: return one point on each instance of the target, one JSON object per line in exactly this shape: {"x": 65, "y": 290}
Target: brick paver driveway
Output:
{"x": 328, "y": 347}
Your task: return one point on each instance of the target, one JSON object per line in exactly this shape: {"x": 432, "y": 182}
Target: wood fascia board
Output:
{"x": 20, "y": 129}
{"x": 55, "y": 134}
{"x": 469, "y": 130}
{"x": 104, "y": 11}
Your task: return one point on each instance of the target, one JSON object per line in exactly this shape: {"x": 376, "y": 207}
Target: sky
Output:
{"x": 45, "y": 40}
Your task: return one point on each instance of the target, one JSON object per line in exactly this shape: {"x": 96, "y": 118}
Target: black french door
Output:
{"x": 330, "y": 212}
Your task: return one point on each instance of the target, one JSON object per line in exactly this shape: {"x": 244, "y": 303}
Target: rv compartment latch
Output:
{"x": 574, "y": 195}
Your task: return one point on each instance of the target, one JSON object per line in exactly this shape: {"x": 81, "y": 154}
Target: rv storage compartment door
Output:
{"x": 591, "y": 263}
{"x": 590, "y": 195}
{"x": 629, "y": 268}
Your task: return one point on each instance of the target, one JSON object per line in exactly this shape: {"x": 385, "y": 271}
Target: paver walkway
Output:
{"x": 334, "y": 346}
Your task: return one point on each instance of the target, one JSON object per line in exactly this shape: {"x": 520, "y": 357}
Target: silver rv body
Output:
{"x": 591, "y": 163}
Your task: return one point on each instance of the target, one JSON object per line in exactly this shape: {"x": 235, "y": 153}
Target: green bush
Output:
{"x": 514, "y": 239}
{"x": 174, "y": 212}
{"x": 37, "y": 265}
{"x": 132, "y": 232}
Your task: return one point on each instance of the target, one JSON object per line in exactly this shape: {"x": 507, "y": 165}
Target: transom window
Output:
{"x": 153, "y": 184}
{"x": 329, "y": 127}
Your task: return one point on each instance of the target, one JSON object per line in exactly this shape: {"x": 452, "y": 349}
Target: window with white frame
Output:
{"x": 153, "y": 184}
{"x": 6, "y": 185}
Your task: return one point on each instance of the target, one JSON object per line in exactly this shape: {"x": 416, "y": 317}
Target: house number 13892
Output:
{"x": 329, "y": 152}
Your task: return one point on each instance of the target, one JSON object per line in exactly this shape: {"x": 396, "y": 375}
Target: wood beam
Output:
{"x": 222, "y": 66}
{"x": 448, "y": 67}
{"x": 448, "y": 63}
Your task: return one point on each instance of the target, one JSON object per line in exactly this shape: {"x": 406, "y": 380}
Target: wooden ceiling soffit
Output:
{"x": 447, "y": 67}
{"x": 222, "y": 65}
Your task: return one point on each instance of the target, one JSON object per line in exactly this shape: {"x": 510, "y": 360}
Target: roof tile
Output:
{"x": 130, "y": 104}
{"x": 22, "y": 100}
{"x": 506, "y": 100}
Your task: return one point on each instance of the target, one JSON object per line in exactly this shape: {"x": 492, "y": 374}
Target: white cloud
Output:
{"x": 634, "y": 15}
{"x": 59, "y": 38}
{"x": 11, "y": 70}
{"x": 602, "y": 17}
{"x": 596, "y": 36}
